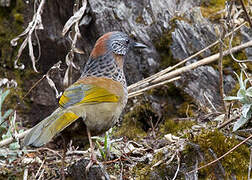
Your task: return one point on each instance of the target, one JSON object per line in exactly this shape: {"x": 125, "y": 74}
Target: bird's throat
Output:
{"x": 119, "y": 60}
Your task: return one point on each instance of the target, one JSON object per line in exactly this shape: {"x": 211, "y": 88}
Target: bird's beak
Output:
{"x": 139, "y": 45}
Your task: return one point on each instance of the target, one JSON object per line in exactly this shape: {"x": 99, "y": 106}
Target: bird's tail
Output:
{"x": 49, "y": 127}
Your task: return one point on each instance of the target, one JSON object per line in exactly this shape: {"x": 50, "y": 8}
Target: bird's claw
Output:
{"x": 92, "y": 161}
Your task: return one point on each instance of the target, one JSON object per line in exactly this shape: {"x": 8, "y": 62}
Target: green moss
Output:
{"x": 133, "y": 124}
{"x": 19, "y": 18}
{"x": 133, "y": 130}
{"x": 210, "y": 9}
{"x": 176, "y": 128}
{"x": 186, "y": 109}
{"x": 234, "y": 163}
{"x": 140, "y": 19}
{"x": 142, "y": 171}
{"x": 164, "y": 42}
{"x": 163, "y": 47}
{"x": 11, "y": 25}
{"x": 177, "y": 106}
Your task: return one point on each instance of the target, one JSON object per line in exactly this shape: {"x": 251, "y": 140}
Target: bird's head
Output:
{"x": 116, "y": 42}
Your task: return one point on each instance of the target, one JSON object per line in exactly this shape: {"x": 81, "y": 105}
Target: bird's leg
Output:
{"x": 93, "y": 158}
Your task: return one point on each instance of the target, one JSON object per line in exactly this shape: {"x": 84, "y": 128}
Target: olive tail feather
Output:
{"x": 44, "y": 131}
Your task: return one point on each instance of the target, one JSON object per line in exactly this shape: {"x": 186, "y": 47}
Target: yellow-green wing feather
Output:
{"x": 81, "y": 93}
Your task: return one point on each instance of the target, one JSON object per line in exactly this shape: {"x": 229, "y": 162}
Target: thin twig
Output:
{"x": 115, "y": 160}
{"x": 141, "y": 91}
{"x": 11, "y": 139}
{"x": 42, "y": 174}
{"x": 220, "y": 66}
{"x": 204, "y": 61}
{"x": 39, "y": 168}
{"x": 212, "y": 162}
{"x": 121, "y": 171}
{"x": 231, "y": 53}
{"x": 25, "y": 176}
{"x": 76, "y": 152}
{"x": 246, "y": 13}
{"x": 51, "y": 150}
{"x": 219, "y": 165}
{"x": 57, "y": 65}
{"x": 176, "y": 174}
{"x": 226, "y": 123}
{"x": 209, "y": 101}
{"x": 24, "y": 97}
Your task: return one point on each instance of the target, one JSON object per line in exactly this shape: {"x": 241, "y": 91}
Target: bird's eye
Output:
{"x": 127, "y": 41}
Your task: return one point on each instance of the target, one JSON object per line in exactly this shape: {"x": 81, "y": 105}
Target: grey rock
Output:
{"x": 188, "y": 38}
{"x": 77, "y": 171}
{"x": 203, "y": 85}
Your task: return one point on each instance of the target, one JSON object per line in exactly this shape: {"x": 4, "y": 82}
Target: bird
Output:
{"x": 98, "y": 96}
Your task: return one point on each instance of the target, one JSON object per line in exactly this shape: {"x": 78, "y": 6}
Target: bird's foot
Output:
{"x": 93, "y": 160}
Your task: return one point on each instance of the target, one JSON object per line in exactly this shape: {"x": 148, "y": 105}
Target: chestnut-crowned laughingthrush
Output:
{"x": 98, "y": 96}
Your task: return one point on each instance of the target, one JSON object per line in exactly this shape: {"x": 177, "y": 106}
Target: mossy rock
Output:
{"x": 164, "y": 42}
{"x": 133, "y": 124}
{"x": 147, "y": 171}
{"x": 235, "y": 163}
{"x": 176, "y": 128}
{"x": 11, "y": 25}
{"x": 210, "y": 9}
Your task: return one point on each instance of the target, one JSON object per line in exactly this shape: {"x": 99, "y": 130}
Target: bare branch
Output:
{"x": 75, "y": 18}
{"x": 220, "y": 66}
{"x": 204, "y": 61}
{"x": 145, "y": 82}
{"x": 35, "y": 24}
{"x": 11, "y": 139}
{"x": 73, "y": 23}
{"x": 246, "y": 13}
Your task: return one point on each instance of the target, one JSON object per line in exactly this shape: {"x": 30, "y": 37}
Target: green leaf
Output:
{"x": 240, "y": 79}
{"x": 100, "y": 149}
{"x": 245, "y": 109}
{"x": 231, "y": 98}
{"x": 5, "y": 136}
{"x": 106, "y": 140}
{"x": 14, "y": 146}
{"x": 3, "y": 96}
{"x": 21, "y": 131}
{"x": 249, "y": 92}
{"x": 6, "y": 114}
{"x": 240, "y": 122}
{"x": 242, "y": 85}
{"x": 241, "y": 93}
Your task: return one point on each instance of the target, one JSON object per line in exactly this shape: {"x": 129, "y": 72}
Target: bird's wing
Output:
{"x": 79, "y": 93}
